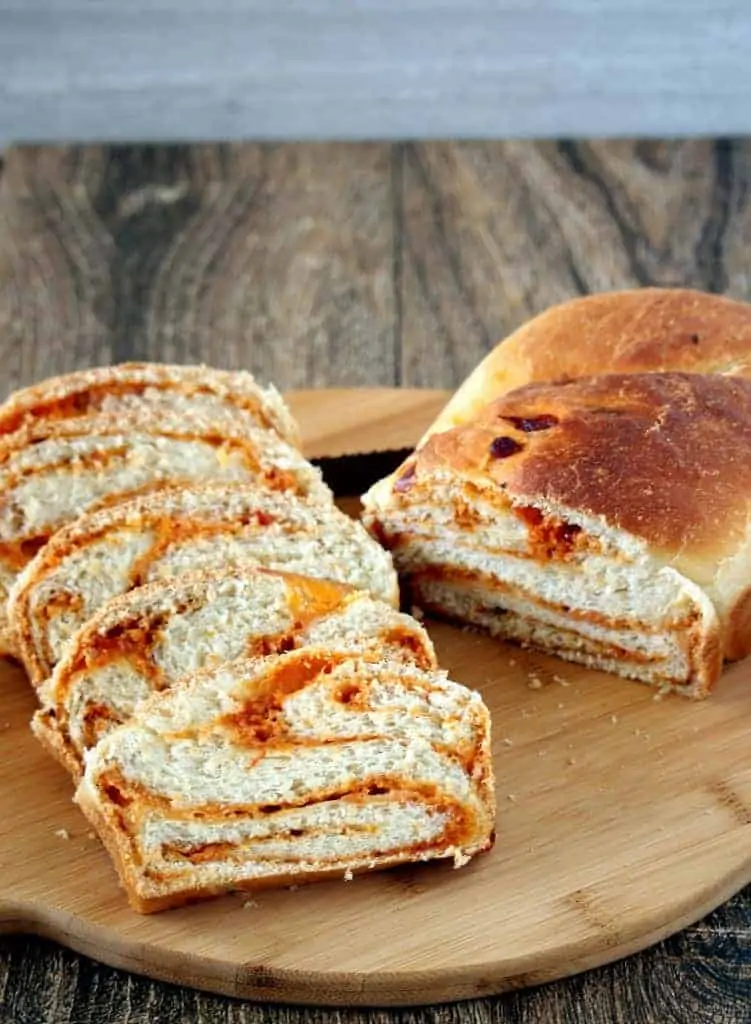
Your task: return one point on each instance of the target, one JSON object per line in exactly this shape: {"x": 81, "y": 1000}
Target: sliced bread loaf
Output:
{"x": 174, "y": 532}
{"x": 151, "y": 389}
{"x": 53, "y": 471}
{"x": 604, "y": 519}
{"x": 154, "y": 635}
{"x": 304, "y": 766}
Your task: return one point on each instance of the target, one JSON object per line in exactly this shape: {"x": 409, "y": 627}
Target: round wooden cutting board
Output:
{"x": 621, "y": 819}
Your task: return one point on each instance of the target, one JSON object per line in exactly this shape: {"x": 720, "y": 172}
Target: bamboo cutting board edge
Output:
{"x": 618, "y": 902}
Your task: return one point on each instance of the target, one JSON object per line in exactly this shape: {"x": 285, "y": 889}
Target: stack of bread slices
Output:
{"x": 217, "y": 650}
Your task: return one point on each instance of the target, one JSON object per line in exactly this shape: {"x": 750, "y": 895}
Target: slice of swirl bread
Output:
{"x": 53, "y": 471}
{"x": 153, "y": 636}
{"x": 304, "y": 766}
{"x": 104, "y": 554}
{"x": 150, "y": 388}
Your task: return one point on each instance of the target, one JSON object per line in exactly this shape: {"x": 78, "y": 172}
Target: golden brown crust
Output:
{"x": 55, "y": 742}
{"x": 8, "y": 646}
{"x": 637, "y": 331}
{"x": 666, "y": 457}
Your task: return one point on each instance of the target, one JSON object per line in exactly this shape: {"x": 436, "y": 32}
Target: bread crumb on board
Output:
{"x": 250, "y": 905}
{"x": 62, "y": 833}
{"x": 534, "y": 682}
{"x": 348, "y": 876}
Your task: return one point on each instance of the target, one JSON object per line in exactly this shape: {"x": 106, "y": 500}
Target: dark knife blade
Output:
{"x": 351, "y": 475}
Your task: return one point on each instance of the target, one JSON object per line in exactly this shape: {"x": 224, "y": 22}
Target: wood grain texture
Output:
{"x": 273, "y": 258}
{"x": 228, "y": 69}
{"x": 497, "y": 231}
{"x": 494, "y": 233}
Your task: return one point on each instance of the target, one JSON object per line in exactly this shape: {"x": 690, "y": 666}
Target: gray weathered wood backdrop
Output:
{"x": 356, "y": 69}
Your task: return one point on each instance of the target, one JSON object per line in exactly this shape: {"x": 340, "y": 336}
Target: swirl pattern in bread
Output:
{"x": 170, "y": 533}
{"x": 150, "y": 389}
{"x": 52, "y": 471}
{"x": 152, "y": 637}
{"x": 306, "y": 766}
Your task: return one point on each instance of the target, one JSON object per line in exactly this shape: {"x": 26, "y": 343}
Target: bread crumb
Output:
{"x": 461, "y": 859}
{"x": 62, "y": 833}
{"x": 511, "y": 797}
{"x": 293, "y": 888}
{"x": 561, "y": 706}
{"x": 561, "y": 681}
{"x": 534, "y": 682}
{"x": 250, "y": 905}
{"x": 512, "y": 662}
{"x": 348, "y": 876}
{"x": 507, "y": 742}
{"x": 614, "y": 719}
{"x": 542, "y": 753}
{"x": 571, "y": 760}
{"x": 91, "y": 835}
{"x": 417, "y": 613}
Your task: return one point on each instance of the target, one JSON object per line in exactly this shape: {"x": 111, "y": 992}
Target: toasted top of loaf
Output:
{"x": 175, "y": 532}
{"x": 160, "y": 633}
{"x": 665, "y": 458}
{"x": 637, "y": 331}
{"x": 151, "y": 387}
{"x": 52, "y": 471}
{"x": 288, "y": 768}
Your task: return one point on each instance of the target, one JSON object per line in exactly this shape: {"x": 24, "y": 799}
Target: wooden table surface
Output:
{"x": 352, "y": 265}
